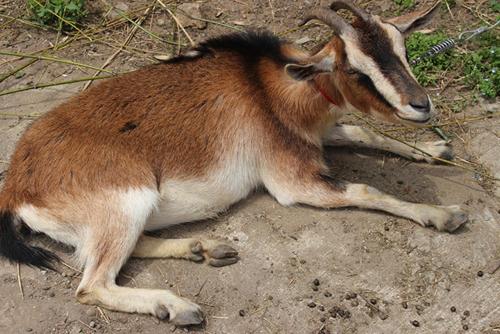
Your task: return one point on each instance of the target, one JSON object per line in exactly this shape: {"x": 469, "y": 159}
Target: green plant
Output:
{"x": 495, "y": 5}
{"x": 478, "y": 68}
{"x": 64, "y": 14}
{"x": 429, "y": 69}
{"x": 481, "y": 67}
{"x": 405, "y": 3}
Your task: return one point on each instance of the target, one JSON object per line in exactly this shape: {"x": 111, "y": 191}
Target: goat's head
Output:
{"x": 368, "y": 63}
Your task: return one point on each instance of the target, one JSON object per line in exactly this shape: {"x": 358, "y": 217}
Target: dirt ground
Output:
{"x": 399, "y": 271}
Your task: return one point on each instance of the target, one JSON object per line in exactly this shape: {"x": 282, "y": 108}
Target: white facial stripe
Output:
{"x": 365, "y": 64}
{"x": 398, "y": 43}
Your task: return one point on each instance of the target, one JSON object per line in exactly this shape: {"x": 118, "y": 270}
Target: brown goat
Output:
{"x": 183, "y": 140}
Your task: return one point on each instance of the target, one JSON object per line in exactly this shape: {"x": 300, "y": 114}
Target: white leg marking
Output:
{"x": 343, "y": 135}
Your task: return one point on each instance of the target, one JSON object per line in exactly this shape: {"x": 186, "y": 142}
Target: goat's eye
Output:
{"x": 351, "y": 71}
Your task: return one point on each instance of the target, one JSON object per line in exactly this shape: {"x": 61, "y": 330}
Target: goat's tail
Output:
{"x": 14, "y": 248}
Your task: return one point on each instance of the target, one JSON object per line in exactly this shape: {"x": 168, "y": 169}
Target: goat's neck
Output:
{"x": 303, "y": 107}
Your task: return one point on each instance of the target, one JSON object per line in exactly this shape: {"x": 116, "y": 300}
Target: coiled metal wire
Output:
{"x": 450, "y": 43}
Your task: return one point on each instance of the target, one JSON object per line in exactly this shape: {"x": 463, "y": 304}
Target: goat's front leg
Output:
{"x": 344, "y": 135}
{"x": 320, "y": 191}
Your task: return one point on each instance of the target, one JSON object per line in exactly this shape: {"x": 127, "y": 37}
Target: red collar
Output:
{"x": 324, "y": 94}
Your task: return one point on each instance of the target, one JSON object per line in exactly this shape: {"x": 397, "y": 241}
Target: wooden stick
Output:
{"x": 177, "y": 22}
{"x": 19, "y": 280}
{"x": 51, "y": 84}
{"x": 54, "y": 59}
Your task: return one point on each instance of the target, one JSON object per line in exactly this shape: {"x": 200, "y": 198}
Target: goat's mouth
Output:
{"x": 415, "y": 122}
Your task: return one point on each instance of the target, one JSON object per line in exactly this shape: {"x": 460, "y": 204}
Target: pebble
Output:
{"x": 466, "y": 313}
{"x": 92, "y": 324}
{"x": 315, "y": 288}
{"x": 354, "y": 295}
{"x": 480, "y": 273}
{"x": 316, "y": 282}
{"x": 453, "y": 309}
{"x": 465, "y": 327}
{"x": 347, "y": 296}
{"x": 52, "y": 294}
{"x": 354, "y": 303}
{"x": 327, "y": 294}
{"x": 321, "y": 308}
{"x": 415, "y": 323}
{"x": 241, "y": 313}
{"x": 29, "y": 329}
{"x": 405, "y": 305}
{"x": 373, "y": 301}
{"x": 311, "y": 304}
{"x": 322, "y": 319}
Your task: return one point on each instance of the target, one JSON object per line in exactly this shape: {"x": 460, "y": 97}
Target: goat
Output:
{"x": 183, "y": 140}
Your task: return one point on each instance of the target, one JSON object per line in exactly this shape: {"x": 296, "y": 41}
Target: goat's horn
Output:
{"x": 347, "y": 4}
{"x": 332, "y": 19}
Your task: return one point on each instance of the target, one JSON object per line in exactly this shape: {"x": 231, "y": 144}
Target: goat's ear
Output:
{"x": 414, "y": 21}
{"x": 309, "y": 71}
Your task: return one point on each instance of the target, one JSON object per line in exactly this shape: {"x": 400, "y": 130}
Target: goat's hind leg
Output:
{"x": 104, "y": 251}
{"x": 217, "y": 253}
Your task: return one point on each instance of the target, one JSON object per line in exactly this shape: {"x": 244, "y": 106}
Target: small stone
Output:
{"x": 399, "y": 182}
{"x": 29, "y": 329}
{"x": 161, "y": 22}
{"x": 480, "y": 273}
{"x": 316, "y": 282}
{"x": 415, "y": 323}
{"x": 373, "y": 301}
{"x": 92, "y": 324}
{"x": 353, "y": 295}
{"x": 52, "y": 294}
{"x": 354, "y": 303}
{"x": 302, "y": 261}
{"x": 327, "y": 294}
{"x": 322, "y": 319}
{"x": 347, "y": 296}
{"x": 315, "y": 288}
{"x": 186, "y": 11}
{"x": 321, "y": 308}
{"x": 405, "y": 305}
{"x": 419, "y": 308}
{"x": 465, "y": 327}
{"x": 311, "y": 304}
{"x": 241, "y": 313}
{"x": 91, "y": 312}
{"x": 466, "y": 313}
{"x": 453, "y": 309}
{"x": 386, "y": 228}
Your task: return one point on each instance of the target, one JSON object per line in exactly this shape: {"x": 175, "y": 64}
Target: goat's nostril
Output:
{"x": 421, "y": 106}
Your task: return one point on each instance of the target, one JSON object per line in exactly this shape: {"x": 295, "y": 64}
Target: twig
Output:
{"x": 422, "y": 151}
{"x": 19, "y": 280}
{"x": 70, "y": 267}
{"x": 20, "y": 68}
{"x": 54, "y": 59}
{"x": 465, "y": 120}
{"x": 51, "y": 84}
{"x": 179, "y": 24}
{"x": 103, "y": 315}
{"x": 150, "y": 33}
{"x": 201, "y": 288}
{"x": 127, "y": 40}
{"x": 212, "y": 21}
